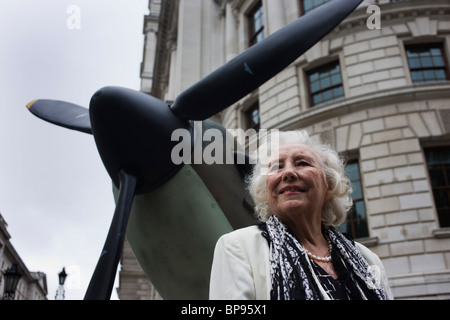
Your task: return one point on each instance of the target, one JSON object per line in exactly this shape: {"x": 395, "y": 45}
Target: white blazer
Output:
{"x": 241, "y": 268}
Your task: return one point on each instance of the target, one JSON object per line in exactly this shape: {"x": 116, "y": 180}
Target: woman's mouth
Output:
{"x": 291, "y": 189}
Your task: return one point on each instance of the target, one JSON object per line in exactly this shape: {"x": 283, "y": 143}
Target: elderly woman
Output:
{"x": 300, "y": 194}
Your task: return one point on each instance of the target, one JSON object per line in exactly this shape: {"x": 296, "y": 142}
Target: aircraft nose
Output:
{"x": 133, "y": 131}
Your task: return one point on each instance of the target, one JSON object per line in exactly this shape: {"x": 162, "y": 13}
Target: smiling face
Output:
{"x": 295, "y": 182}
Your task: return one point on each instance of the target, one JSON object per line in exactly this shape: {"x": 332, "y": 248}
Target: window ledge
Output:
{"x": 368, "y": 241}
{"x": 441, "y": 233}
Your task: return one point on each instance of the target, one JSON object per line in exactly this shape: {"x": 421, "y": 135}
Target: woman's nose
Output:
{"x": 289, "y": 173}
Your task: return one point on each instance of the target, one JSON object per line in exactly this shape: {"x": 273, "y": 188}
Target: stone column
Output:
{"x": 231, "y": 35}
{"x": 275, "y": 15}
{"x": 189, "y": 53}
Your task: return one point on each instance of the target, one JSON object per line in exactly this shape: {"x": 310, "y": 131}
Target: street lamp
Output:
{"x": 62, "y": 278}
{"x": 12, "y": 277}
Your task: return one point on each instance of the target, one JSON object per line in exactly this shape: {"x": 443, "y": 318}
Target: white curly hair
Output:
{"x": 335, "y": 210}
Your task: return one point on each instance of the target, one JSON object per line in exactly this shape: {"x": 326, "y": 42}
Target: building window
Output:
{"x": 252, "y": 119}
{"x": 325, "y": 84}
{"x": 256, "y": 24}
{"x": 438, "y": 161}
{"x": 427, "y": 63}
{"x": 356, "y": 221}
{"x": 308, "y": 5}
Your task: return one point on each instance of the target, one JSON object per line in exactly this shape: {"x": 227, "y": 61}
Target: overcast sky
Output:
{"x": 55, "y": 194}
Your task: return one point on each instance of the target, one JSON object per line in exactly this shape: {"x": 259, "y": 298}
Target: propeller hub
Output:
{"x": 132, "y": 131}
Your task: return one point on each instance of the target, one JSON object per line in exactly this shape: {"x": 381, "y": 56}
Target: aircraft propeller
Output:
{"x": 132, "y": 130}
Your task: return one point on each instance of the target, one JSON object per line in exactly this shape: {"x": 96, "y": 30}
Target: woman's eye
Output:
{"x": 302, "y": 163}
{"x": 274, "y": 167}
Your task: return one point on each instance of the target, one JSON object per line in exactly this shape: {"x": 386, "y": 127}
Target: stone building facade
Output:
{"x": 32, "y": 285}
{"x": 377, "y": 89}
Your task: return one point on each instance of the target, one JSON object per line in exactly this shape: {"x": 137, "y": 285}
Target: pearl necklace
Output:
{"x": 320, "y": 259}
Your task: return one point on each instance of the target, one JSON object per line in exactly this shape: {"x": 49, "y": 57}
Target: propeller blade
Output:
{"x": 64, "y": 114}
{"x": 102, "y": 281}
{"x": 259, "y": 63}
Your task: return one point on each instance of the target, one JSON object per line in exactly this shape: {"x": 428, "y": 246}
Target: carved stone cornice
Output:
{"x": 407, "y": 9}
{"x": 166, "y": 43}
{"x": 235, "y": 4}
{"x": 364, "y": 102}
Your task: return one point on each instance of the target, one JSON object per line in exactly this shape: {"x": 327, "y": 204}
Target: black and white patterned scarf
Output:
{"x": 292, "y": 273}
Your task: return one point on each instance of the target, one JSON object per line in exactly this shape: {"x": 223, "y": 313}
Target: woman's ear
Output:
{"x": 328, "y": 195}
